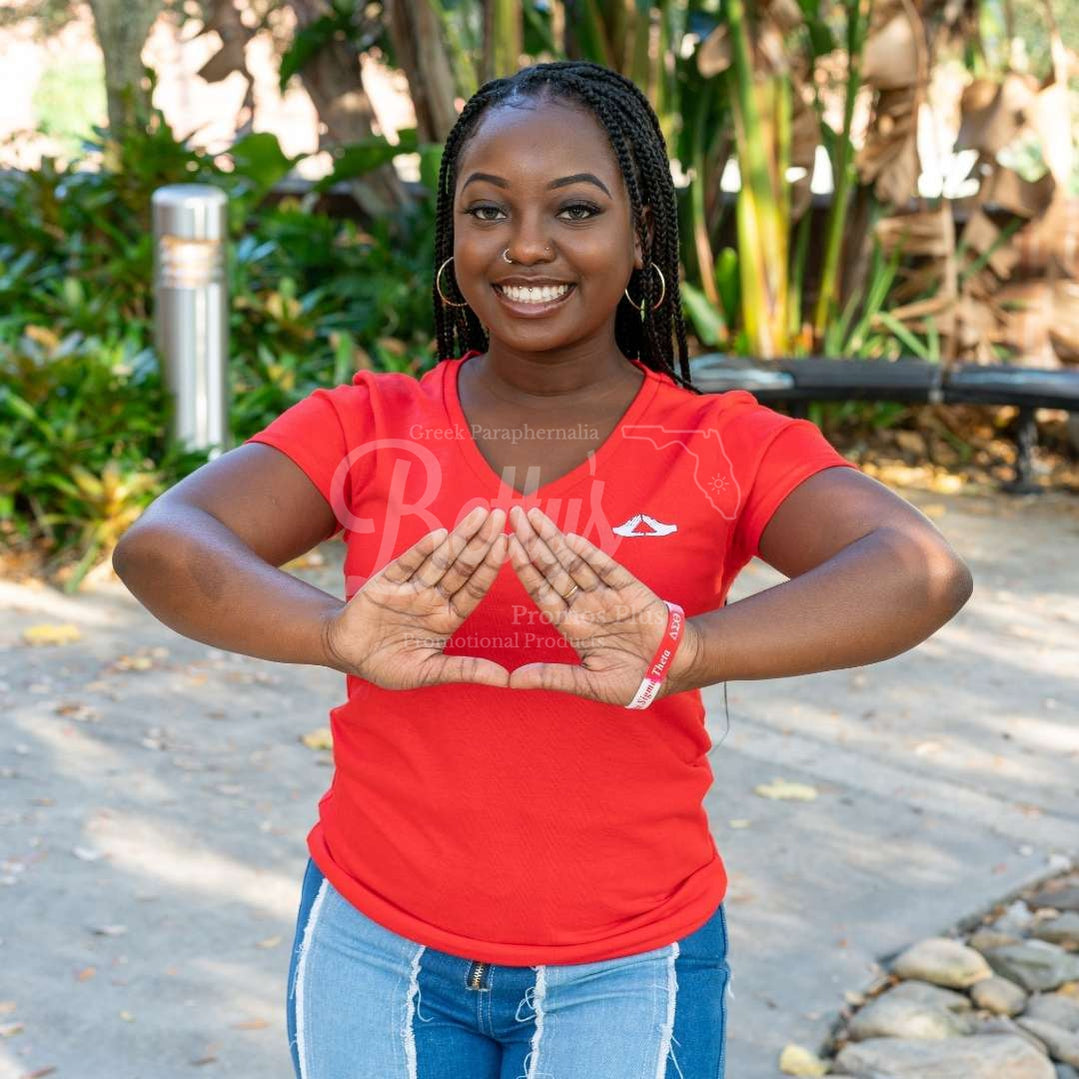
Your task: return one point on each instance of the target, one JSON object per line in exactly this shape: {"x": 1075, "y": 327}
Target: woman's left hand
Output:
{"x": 613, "y": 620}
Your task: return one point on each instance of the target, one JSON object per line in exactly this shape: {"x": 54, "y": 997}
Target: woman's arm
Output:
{"x": 203, "y": 558}
{"x": 871, "y": 577}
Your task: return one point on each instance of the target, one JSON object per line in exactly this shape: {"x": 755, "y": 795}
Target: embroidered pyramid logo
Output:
{"x": 640, "y": 524}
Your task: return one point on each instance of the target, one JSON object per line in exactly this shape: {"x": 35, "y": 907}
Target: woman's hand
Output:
{"x": 613, "y": 620}
{"x": 393, "y": 630}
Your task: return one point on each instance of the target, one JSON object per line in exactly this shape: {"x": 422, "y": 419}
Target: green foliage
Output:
{"x": 84, "y": 413}
{"x": 707, "y": 320}
{"x": 341, "y": 21}
{"x": 82, "y": 442}
{"x": 259, "y": 163}
{"x": 68, "y": 100}
{"x": 75, "y": 246}
{"x": 364, "y": 156}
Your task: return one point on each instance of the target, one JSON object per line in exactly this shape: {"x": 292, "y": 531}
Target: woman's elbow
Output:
{"x": 951, "y": 582}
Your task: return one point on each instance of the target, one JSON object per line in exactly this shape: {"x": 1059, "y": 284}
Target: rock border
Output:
{"x": 996, "y": 996}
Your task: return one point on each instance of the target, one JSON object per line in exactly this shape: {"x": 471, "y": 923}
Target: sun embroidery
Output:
{"x": 719, "y": 483}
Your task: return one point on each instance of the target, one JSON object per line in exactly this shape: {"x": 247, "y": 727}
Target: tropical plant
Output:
{"x": 84, "y": 417}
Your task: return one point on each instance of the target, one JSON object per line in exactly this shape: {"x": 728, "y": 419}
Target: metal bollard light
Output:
{"x": 191, "y": 311}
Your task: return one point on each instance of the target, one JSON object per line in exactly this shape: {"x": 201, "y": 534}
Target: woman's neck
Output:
{"x": 538, "y": 380}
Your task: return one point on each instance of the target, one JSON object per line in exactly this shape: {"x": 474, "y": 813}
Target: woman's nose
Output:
{"x": 529, "y": 244}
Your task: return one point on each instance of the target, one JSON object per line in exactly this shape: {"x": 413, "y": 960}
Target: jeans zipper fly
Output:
{"x": 478, "y": 975}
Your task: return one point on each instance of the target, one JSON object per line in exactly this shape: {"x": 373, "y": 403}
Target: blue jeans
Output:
{"x": 365, "y": 1003}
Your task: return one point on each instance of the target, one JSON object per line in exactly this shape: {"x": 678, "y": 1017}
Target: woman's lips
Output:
{"x": 531, "y": 310}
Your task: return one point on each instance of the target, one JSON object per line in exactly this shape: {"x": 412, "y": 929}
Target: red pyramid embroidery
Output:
{"x": 641, "y": 524}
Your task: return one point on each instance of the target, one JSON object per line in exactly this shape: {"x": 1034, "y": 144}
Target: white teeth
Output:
{"x": 543, "y": 294}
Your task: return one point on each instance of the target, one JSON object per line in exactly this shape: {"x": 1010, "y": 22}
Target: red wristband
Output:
{"x": 661, "y": 662}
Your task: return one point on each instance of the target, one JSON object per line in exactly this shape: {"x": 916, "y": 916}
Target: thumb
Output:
{"x": 484, "y": 672}
{"x": 560, "y": 677}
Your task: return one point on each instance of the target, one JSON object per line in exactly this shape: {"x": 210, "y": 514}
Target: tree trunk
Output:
{"x": 222, "y": 17}
{"x": 420, "y": 50}
{"x": 332, "y": 79}
{"x": 503, "y": 22}
{"x": 122, "y": 27}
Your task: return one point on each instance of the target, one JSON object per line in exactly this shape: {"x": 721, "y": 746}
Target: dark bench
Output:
{"x": 799, "y": 381}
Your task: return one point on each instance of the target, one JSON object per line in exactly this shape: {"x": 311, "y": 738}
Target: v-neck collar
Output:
{"x": 589, "y": 466}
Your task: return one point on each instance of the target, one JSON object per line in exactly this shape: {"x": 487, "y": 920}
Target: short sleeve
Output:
{"x": 318, "y": 434}
{"x": 772, "y": 454}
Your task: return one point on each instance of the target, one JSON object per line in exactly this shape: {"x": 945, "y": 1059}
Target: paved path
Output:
{"x": 152, "y": 821}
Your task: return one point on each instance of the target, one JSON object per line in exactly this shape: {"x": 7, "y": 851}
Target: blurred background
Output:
{"x": 909, "y": 167}
{"x": 879, "y": 220}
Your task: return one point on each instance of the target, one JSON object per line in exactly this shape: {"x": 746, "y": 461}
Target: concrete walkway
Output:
{"x": 154, "y": 800}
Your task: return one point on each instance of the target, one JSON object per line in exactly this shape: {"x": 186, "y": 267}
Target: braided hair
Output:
{"x": 635, "y": 136}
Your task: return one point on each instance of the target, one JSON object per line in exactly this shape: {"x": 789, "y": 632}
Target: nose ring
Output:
{"x": 506, "y": 254}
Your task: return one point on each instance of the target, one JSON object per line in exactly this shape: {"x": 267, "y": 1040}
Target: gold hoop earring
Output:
{"x": 662, "y": 294}
{"x": 449, "y": 303}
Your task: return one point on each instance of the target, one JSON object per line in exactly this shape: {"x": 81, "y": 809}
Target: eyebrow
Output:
{"x": 577, "y": 177}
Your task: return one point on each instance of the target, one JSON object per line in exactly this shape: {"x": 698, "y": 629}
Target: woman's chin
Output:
{"x": 533, "y": 338}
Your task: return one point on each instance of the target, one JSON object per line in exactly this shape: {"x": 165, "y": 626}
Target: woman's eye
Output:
{"x": 589, "y": 211}
{"x": 477, "y": 210}
{"x": 592, "y": 211}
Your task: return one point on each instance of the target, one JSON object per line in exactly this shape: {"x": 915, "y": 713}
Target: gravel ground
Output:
{"x": 155, "y": 797}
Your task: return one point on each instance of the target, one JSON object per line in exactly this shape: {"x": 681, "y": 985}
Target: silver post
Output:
{"x": 191, "y": 311}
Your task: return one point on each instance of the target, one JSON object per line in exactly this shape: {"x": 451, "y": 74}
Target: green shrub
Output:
{"x": 84, "y": 415}
{"x": 83, "y": 447}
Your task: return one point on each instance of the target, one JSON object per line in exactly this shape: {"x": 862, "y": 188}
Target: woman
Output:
{"x": 512, "y": 873}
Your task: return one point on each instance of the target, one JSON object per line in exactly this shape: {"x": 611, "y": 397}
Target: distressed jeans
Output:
{"x": 365, "y": 1003}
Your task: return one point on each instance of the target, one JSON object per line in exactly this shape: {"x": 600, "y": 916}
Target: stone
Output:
{"x": 999, "y": 996}
{"x": 981, "y": 940}
{"x": 1064, "y": 897}
{"x": 1015, "y": 920}
{"x": 1002, "y": 1024}
{"x": 797, "y": 1060}
{"x": 1036, "y": 965}
{"x": 1062, "y": 930}
{"x": 934, "y": 995}
{"x": 981, "y": 1056}
{"x": 1062, "y": 1044}
{"x": 1056, "y": 1008}
{"x": 893, "y": 1017}
{"x": 943, "y": 961}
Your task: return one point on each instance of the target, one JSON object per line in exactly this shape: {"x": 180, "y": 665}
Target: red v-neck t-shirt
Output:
{"x": 528, "y": 826}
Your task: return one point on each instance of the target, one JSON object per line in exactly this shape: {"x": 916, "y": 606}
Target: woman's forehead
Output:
{"x": 539, "y": 138}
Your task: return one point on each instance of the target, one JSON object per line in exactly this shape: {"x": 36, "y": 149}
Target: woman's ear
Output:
{"x": 638, "y": 256}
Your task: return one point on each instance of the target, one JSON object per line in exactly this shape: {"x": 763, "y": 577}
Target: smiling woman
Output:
{"x": 512, "y": 871}
{"x": 506, "y": 196}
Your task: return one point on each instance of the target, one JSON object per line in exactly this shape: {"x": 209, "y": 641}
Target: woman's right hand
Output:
{"x": 393, "y": 630}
